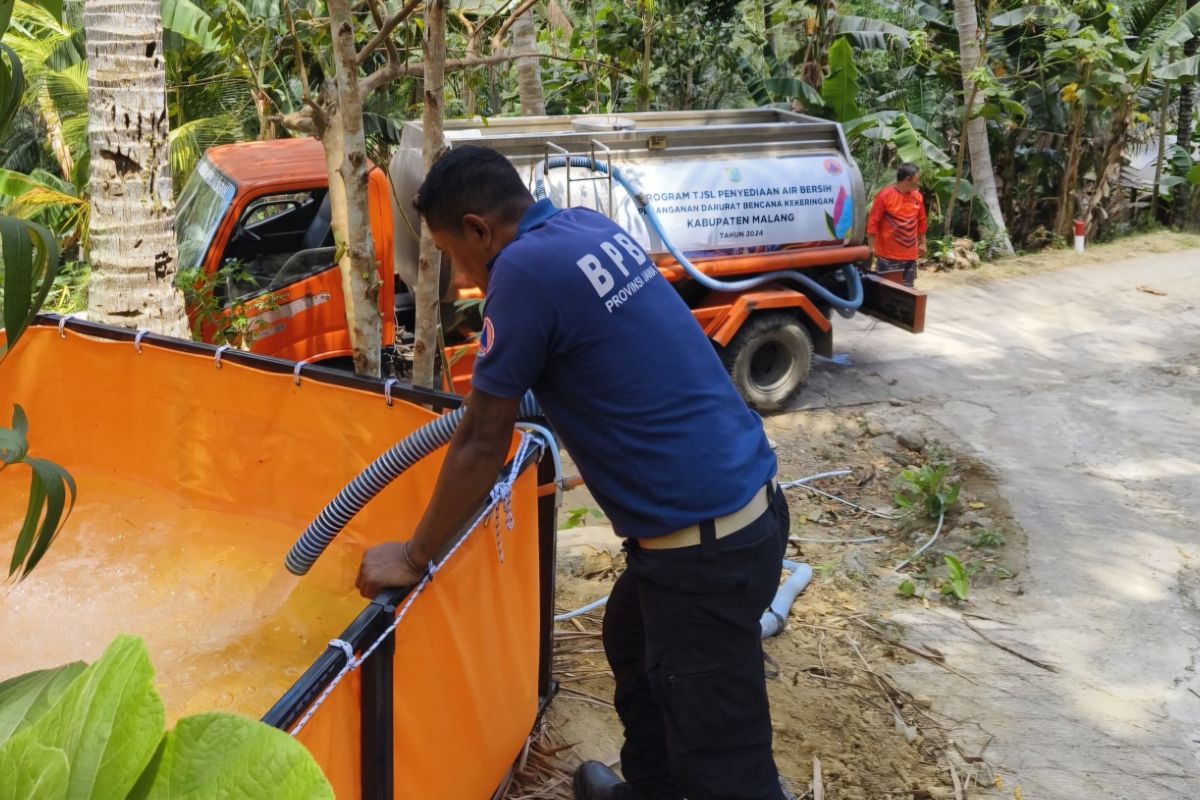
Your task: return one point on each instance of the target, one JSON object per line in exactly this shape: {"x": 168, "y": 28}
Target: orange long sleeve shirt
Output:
{"x": 897, "y": 220}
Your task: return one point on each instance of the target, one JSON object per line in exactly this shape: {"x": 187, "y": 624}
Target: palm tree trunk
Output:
{"x": 983, "y": 177}
{"x": 133, "y": 213}
{"x": 1187, "y": 95}
{"x": 429, "y": 263}
{"x": 360, "y": 276}
{"x": 529, "y": 72}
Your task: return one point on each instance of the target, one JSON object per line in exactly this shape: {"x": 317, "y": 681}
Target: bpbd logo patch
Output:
{"x": 486, "y": 337}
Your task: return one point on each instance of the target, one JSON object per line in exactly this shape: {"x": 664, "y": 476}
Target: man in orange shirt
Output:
{"x": 896, "y": 225}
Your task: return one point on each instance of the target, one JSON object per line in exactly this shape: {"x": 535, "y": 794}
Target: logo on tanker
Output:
{"x": 734, "y": 174}
{"x": 486, "y": 337}
{"x": 838, "y": 223}
{"x": 833, "y": 166}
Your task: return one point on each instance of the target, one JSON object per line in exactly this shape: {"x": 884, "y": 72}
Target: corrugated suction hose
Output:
{"x": 372, "y": 480}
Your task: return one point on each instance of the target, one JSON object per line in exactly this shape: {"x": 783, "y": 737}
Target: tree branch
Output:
{"x": 393, "y": 57}
{"x": 385, "y": 30}
{"x": 298, "y": 121}
{"x": 508, "y": 23}
{"x": 390, "y": 73}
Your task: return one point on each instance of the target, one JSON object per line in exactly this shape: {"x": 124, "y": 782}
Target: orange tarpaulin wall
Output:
{"x": 239, "y": 438}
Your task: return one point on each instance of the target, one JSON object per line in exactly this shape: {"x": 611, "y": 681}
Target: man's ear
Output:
{"x": 477, "y": 229}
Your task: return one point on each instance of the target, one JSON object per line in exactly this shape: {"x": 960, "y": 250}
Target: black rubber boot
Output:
{"x": 594, "y": 781}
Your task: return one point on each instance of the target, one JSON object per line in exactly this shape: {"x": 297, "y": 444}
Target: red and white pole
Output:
{"x": 1080, "y": 233}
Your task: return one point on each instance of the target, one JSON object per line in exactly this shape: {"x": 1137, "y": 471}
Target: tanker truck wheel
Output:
{"x": 769, "y": 359}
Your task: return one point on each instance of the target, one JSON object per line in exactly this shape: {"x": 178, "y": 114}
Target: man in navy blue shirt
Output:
{"x": 577, "y": 312}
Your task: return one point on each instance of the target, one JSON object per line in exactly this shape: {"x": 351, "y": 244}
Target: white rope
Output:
{"x": 495, "y": 499}
{"x": 501, "y": 494}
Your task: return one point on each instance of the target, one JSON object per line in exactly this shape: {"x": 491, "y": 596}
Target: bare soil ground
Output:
{"x": 833, "y": 702}
{"x": 1129, "y": 247}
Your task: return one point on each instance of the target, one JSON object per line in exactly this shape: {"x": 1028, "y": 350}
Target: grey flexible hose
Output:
{"x": 846, "y": 306}
{"x": 372, "y": 480}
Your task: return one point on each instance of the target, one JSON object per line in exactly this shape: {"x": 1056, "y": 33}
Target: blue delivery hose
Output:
{"x": 372, "y": 480}
{"x": 843, "y": 304}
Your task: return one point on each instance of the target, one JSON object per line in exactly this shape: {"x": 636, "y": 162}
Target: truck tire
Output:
{"x": 769, "y": 359}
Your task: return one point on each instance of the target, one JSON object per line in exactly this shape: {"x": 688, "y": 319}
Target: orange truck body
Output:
{"x": 305, "y": 318}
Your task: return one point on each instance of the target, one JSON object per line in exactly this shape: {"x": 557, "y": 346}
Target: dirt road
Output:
{"x": 1082, "y": 391}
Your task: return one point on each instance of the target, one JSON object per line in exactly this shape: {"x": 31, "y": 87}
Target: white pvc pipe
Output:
{"x": 579, "y": 612}
{"x": 775, "y": 617}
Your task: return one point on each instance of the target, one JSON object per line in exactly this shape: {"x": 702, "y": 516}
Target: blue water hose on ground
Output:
{"x": 775, "y": 617}
{"x": 845, "y": 305}
{"x": 372, "y": 480}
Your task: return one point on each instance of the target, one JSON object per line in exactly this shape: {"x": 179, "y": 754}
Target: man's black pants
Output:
{"x": 908, "y": 269}
{"x": 682, "y": 636}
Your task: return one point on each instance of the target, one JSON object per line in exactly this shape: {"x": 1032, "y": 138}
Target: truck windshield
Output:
{"x": 202, "y": 205}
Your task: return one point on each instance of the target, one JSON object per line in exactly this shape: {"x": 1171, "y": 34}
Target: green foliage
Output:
{"x": 927, "y": 490}
{"x": 235, "y": 321}
{"x": 907, "y": 588}
{"x": 579, "y": 516}
{"x": 959, "y": 582}
{"x": 30, "y": 265}
{"x": 51, "y": 497}
{"x": 841, "y": 87}
{"x": 989, "y": 538}
{"x": 96, "y": 733}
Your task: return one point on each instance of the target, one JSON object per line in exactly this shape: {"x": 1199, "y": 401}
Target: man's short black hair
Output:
{"x": 471, "y": 180}
{"x": 906, "y": 171}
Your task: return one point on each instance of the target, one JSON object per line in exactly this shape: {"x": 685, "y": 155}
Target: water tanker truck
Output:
{"x": 756, "y": 216}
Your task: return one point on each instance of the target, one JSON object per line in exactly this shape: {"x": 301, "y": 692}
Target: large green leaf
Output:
{"x": 870, "y": 34}
{"x": 54, "y": 484}
{"x": 794, "y": 88}
{"x": 840, "y": 89}
{"x": 1186, "y": 70}
{"x": 211, "y": 755}
{"x": 32, "y": 771}
{"x": 30, "y": 266}
{"x": 1193, "y": 176}
{"x": 6, "y": 9}
{"x": 914, "y": 148}
{"x": 12, "y": 86}
{"x": 753, "y": 82}
{"x": 15, "y": 184}
{"x": 1179, "y": 32}
{"x": 1021, "y": 15}
{"x": 53, "y": 7}
{"x": 109, "y": 722}
{"x": 25, "y": 698}
{"x": 188, "y": 20}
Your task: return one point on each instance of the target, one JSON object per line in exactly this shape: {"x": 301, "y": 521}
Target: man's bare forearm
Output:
{"x": 472, "y": 463}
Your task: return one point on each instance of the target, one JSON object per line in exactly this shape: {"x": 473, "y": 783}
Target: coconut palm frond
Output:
{"x": 192, "y": 138}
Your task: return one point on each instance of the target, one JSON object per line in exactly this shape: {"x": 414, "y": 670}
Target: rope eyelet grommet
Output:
{"x": 387, "y": 390}
{"x": 296, "y": 372}
{"x": 137, "y": 340}
{"x": 217, "y": 355}
{"x": 62, "y": 324}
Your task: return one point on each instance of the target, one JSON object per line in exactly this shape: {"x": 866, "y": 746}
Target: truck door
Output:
{"x": 278, "y": 279}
